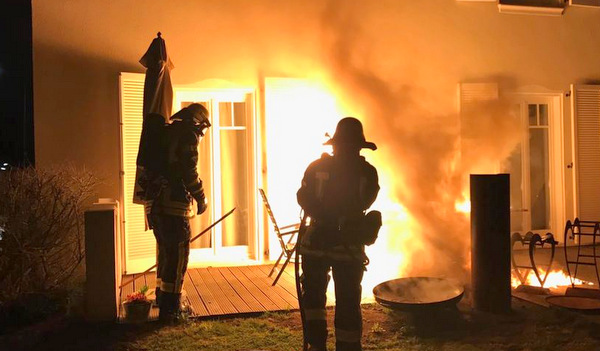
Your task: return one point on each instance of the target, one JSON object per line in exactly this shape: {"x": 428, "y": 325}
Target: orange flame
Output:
{"x": 556, "y": 278}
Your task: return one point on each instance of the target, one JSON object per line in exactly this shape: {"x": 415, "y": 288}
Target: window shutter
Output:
{"x": 585, "y": 107}
{"x": 140, "y": 245}
{"x": 471, "y": 98}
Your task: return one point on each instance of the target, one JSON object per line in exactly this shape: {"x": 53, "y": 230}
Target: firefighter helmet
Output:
{"x": 199, "y": 114}
{"x": 196, "y": 113}
{"x": 349, "y": 131}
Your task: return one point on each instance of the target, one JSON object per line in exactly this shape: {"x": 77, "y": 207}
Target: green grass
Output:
{"x": 262, "y": 333}
{"x": 527, "y": 328}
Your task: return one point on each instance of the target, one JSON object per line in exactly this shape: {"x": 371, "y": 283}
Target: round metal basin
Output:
{"x": 417, "y": 293}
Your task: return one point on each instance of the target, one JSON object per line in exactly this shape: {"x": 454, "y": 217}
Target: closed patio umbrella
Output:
{"x": 158, "y": 102}
{"x": 158, "y": 91}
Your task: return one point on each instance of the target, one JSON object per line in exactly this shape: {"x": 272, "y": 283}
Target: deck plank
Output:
{"x": 258, "y": 293}
{"x": 289, "y": 276}
{"x": 276, "y": 293}
{"x": 194, "y": 298}
{"x": 248, "y": 304}
{"x": 285, "y": 281}
{"x": 229, "y": 292}
{"x": 218, "y": 293}
{"x": 240, "y": 289}
{"x": 205, "y": 294}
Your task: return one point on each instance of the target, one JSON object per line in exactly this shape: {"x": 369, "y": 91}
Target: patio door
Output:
{"x": 535, "y": 166}
{"x": 226, "y": 167}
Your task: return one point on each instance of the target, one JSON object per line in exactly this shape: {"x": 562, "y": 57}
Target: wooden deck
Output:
{"x": 226, "y": 291}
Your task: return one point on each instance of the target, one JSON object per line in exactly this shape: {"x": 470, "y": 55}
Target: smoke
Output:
{"x": 422, "y": 160}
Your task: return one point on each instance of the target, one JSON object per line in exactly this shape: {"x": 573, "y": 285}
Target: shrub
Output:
{"x": 41, "y": 230}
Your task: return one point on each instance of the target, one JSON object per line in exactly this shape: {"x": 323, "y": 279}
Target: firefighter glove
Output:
{"x": 202, "y": 206}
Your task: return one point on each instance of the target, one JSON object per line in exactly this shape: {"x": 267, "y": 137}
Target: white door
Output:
{"x": 226, "y": 166}
{"x": 535, "y": 166}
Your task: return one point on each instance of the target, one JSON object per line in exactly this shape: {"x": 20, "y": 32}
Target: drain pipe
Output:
{"x": 490, "y": 242}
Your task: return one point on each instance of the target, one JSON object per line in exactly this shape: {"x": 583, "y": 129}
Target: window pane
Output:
{"x": 539, "y": 179}
{"x": 234, "y": 186}
{"x": 239, "y": 114}
{"x": 532, "y": 114}
{"x": 225, "y": 116}
{"x": 543, "y": 115}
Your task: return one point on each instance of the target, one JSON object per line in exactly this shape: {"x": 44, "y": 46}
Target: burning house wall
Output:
{"x": 394, "y": 64}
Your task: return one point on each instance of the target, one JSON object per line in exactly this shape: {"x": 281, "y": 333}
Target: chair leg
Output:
{"x": 276, "y": 263}
{"x": 287, "y": 260}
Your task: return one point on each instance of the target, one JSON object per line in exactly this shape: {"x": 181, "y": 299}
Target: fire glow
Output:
{"x": 556, "y": 279}
{"x": 411, "y": 241}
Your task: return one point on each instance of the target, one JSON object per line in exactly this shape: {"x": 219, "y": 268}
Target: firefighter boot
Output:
{"x": 169, "y": 308}
{"x": 157, "y": 295}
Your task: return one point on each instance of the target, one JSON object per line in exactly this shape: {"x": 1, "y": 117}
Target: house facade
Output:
{"x": 445, "y": 88}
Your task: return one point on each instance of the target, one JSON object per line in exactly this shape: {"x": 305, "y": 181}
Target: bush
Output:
{"x": 41, "y": 233}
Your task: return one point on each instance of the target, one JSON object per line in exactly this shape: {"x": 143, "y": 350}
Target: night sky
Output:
{"x": 16, "y": 84}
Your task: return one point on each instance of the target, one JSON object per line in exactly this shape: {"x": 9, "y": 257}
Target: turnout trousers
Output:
{"x": 172, "y": 235}
{"x": 347, "y": 276}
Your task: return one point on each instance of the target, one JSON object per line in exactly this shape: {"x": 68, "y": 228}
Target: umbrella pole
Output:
{"x": 191, "y": 240}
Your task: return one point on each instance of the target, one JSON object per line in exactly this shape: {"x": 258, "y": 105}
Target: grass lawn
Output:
{"x": 528, "y": 327}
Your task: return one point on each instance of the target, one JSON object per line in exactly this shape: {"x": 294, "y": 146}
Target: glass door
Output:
{"x": 532, "y": 168}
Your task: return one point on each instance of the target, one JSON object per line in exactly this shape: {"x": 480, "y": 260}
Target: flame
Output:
{"x": 424, "y": 198}
{"x": 463, "y": 205}
{"x": 556, "y": 278}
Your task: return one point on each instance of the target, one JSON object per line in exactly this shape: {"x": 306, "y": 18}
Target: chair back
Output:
{"x": 271, "y": 215}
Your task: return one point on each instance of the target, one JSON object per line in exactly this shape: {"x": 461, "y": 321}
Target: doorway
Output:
{"x": 226, "y": 165}
{"x": 535, "y": 165}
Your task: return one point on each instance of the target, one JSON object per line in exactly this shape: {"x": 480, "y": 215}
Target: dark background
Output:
{"x": 16, "y": 84}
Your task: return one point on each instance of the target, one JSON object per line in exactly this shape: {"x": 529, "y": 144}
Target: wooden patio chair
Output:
{"x": 285, "y": 236}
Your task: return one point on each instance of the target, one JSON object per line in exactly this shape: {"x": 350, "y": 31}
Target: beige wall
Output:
{"x": 375, "y": 48}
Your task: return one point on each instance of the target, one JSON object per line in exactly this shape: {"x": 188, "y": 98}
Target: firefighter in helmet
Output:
{"x": 336, "y": 191}
{"x": 171, "y": 207}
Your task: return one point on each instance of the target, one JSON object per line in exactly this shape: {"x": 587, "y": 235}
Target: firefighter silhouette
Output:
{"x": 336, "y": 191}
{"x": 170, "y": 187}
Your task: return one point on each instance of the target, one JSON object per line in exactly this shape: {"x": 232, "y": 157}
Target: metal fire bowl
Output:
{"x": 418, "y": 293}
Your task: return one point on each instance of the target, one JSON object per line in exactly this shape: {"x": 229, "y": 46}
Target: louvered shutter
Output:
{"x": 472, "y": 97}
{"x": 140, "y": 245}
{"x": 585, "y": 107}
